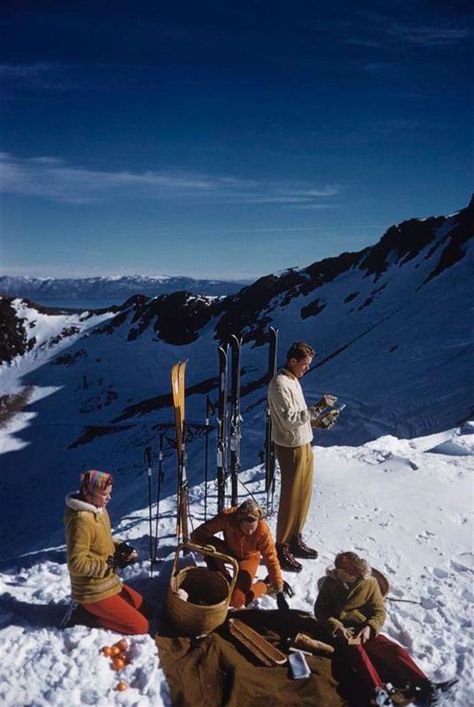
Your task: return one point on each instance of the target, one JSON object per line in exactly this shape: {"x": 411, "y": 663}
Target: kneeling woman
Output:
{"x": 247, "y": 537}
{"x": 93, "y": 555}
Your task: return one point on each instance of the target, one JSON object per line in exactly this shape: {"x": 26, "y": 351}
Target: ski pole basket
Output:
{"x": 208, "y": 593}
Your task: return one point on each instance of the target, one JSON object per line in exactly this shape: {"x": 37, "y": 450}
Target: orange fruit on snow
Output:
{"x": 124, "y": 657}
{"x": 118, "y": 663}
{"x": 121, "y": 686}
{"x": 115, "y": 650}
{"x": 122, "y": 645}
{"x": 106, "y": 650}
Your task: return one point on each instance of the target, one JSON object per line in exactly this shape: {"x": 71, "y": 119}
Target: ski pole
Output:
{"x": 405, "y": 601}
{"x": 148, "y": 468}
{"x": 248, "y": 490}
{"x": 159, "y": 479}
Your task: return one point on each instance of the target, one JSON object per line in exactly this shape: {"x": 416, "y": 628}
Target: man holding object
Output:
{"x": 292, "y": 434}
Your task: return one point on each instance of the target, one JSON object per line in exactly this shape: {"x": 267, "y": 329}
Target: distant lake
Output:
{"x": 78, "y": 303}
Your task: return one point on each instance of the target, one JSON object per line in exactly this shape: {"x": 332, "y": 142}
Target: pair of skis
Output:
{"x": 224, "y": 441}
{"x": 178, "y": 372}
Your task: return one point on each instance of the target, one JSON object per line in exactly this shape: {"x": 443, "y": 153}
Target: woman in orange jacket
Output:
{"x": 247, "y": 537}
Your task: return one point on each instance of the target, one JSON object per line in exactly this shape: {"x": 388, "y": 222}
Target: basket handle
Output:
{"x": 208, "y": 550}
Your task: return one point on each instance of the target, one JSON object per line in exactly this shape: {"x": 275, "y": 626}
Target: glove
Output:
{"x": 282, "y": 604}
{"x": 111, "y": 562}
{"x": 124, "y": 555}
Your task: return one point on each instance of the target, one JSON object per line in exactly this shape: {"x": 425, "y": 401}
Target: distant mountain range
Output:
{"x": 118, "y": 289}
{"x": 392, "y": 325}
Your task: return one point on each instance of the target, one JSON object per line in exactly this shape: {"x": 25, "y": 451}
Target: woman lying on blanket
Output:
{"x": 350, "y": 606}
{"x": 247, "y": 538}
{"x": 93, "y": 556}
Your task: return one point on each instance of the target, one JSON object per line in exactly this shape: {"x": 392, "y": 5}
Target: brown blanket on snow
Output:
{"x": 219, "y": 671}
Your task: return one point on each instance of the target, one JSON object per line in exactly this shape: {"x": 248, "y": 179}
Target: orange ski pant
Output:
{"x": 245, "y": 590}
{"x": 120, "y": 612}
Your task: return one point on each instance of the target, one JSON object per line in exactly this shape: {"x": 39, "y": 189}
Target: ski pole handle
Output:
{"x": 147, "y": 457}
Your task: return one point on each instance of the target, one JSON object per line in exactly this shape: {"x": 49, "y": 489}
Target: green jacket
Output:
{"x": 350, "y": 606}
{"x": 89, "y": 543}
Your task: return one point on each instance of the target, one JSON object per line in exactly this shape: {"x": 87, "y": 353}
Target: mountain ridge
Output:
{"x": 393, "y": 343}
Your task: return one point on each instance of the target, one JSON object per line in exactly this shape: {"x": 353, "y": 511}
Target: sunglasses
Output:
{"x": 249, "y": 519}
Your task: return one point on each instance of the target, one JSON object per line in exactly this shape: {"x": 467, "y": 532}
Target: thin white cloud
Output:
{"x": 374, "y": 30}
{"x": 54, "y": 179}
{"x": 426, "y": 35}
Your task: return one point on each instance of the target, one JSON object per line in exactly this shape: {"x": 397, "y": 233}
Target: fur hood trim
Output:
{"x": 77, "y": 504}
{"x": 331, "y": 572}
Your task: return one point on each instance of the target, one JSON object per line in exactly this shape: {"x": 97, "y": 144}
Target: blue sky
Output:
{"x": 226, "y": 139}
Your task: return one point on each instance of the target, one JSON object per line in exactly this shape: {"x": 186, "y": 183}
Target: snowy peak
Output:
{"x": 109, "y": 288}
{"x": 407, "y": 240}
{"x": 440, "y": 241}
{"x": 374, "y": 317}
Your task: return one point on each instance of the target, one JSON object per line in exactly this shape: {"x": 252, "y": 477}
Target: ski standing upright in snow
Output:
{"x": 269, "y": 448}
{"x": 178, "y": 389}
{"x": 235, "y": 418}
{"x": 222, "y": 430}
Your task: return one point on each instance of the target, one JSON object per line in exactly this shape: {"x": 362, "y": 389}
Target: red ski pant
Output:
{"x": 245, "y": 590}
{"x": 121, "y": 612}
{"x": 380, "y": 660}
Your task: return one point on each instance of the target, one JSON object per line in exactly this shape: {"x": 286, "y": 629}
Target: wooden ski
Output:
{"x": 178, "y": 390}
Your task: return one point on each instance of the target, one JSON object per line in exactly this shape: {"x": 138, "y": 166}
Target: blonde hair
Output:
{"x": 250, "y": 508}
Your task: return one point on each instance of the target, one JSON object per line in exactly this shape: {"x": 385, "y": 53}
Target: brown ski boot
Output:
{"x": 299, "y": 549}
{"x": 287, "y": 561}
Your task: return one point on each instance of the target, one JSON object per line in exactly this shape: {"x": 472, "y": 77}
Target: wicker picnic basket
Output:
{"x": 208, "y": 592}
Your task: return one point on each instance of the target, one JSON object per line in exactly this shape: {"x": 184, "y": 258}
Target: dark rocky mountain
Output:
{"x": 391, "y": 325}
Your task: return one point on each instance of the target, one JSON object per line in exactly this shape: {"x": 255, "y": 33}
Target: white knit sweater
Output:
{"x": 291, "y": 419}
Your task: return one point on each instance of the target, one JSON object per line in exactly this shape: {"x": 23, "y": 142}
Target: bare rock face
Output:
{"x": 14, "y": 340}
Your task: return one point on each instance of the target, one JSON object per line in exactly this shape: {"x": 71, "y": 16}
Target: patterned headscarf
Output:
{"x": 94, "y": 482}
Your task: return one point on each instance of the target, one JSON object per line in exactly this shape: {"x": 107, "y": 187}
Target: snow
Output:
{"x": 52, "y": 334}
{"x": 400, "y": 503}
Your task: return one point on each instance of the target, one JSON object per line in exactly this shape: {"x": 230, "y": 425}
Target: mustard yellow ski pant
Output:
{"x": 296, "y": 472}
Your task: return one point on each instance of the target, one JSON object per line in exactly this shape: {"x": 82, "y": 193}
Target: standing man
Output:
{"x": 292, "y": 434}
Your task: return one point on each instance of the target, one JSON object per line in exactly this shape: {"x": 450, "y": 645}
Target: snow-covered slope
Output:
{"x": 391, "y": 324}
{"x": 406, "y": 505}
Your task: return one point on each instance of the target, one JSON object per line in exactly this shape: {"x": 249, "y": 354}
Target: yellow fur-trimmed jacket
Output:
{"x": 350, "y": 606}
{"x": 89, "y": 543}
